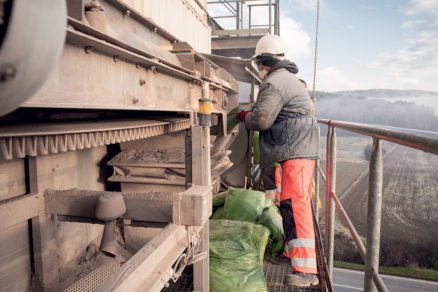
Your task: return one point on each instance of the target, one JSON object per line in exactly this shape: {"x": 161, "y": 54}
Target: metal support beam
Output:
{"x": 190, "y": 207}
{"x": 330, "y": 205}
{"x": 202, "y": 176}
{"x": 374, "y": 214}
{"x": 18, "y": 210}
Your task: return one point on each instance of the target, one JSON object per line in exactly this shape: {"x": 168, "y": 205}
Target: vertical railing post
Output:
{"x": 270, "y": 16}
{"x": 249, "y": 16}
{"x": 374, "y": 215}
{"x": 237, "y": 15}
{"x": 316, "y": 197}
{"x": 330, "y": 204}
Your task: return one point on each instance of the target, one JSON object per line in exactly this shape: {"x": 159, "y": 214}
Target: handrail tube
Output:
{"x": 379, "y": 282}
{"x": 327, "y": 188}
{"x": 421, "y": 140}
{"x": 374, "y": 214}
{"x": 359, "y": 244}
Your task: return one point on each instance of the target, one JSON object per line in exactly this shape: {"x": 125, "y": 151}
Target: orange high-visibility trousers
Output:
{"x": 296, "y": 211}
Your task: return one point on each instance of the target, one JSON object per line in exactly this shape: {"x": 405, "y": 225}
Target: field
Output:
{"x": 410, "y": 202}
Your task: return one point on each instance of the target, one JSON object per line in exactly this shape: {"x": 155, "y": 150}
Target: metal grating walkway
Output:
{"x": 274, "y": 274}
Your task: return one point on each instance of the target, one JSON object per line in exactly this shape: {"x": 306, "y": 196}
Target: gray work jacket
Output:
{"x": 283, "y": 114}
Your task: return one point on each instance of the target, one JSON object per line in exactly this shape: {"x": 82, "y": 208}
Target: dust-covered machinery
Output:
{"x": 113, "y": 137}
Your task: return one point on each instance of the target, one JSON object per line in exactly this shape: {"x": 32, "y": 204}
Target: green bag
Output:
{"x": 218, "y": 214}
{"x": 256, "y": 147}
{"x": 219, "y": 199}
{"x": 232, "y": 119}
{"x": 271, "y": 219}
{"x": 236, "y": 256}
{"x": 244, "y": 205}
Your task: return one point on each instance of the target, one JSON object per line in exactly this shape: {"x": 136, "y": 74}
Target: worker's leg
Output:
{"x": 271, "y": 182}
{"x": 268, "y": 174}
{"x": 295, "y": 208}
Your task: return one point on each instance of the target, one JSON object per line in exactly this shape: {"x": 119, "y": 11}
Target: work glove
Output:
{"x": 242, "y": 115}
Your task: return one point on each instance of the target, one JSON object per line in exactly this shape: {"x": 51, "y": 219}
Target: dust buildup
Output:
{"x": 82, "y": 266}
{"x": 142, "y": 156}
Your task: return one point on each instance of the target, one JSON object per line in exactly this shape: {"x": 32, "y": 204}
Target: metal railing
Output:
{"x": 421, "y": 140}
{"x": 242, "y": 12}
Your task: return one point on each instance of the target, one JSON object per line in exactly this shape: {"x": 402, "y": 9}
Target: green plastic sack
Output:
{"x": 218, "y": 214}
{"x": 236, "y": 256}
{"x": 232, "y": 119}
{"x": 271, "y": 219}
{"x": 219, "y": 199}
{"x": 244, "y": 205}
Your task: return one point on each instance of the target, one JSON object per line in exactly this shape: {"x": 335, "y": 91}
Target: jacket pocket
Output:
{"x": 277, "y": 134}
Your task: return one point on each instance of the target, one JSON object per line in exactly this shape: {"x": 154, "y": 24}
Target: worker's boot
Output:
{"x": 299, "y": 279}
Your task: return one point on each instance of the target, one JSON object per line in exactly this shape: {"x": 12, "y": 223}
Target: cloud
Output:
{"x": 411, "y": 24}
{"x": 415, "y": 64}
{"x": 349, "y": 26}
{"x": 297, "y": 41}
{"x": 310, "y": 4}
{"x": 333, "y": 79}
{"x": 420, "y": 6}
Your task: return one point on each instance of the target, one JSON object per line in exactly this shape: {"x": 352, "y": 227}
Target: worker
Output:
{"x": 271, "y": 175}
{"x": 289, "y": 135}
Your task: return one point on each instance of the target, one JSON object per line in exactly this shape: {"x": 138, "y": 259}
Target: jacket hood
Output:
{"x": 286, "y": 64}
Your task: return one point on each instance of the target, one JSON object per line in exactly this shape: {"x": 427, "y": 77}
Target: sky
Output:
{"x": 362, "y": 44}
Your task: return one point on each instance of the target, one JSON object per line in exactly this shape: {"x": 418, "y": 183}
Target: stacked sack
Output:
{"x": 239, "y": 232}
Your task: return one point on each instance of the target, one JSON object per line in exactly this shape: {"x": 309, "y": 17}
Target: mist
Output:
{"x": 380, "y": 107}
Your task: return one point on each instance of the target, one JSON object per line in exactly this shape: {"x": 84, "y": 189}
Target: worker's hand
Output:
{"x": 242, "y": 115}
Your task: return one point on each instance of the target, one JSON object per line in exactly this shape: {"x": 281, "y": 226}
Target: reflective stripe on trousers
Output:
{"x": 295, "y": 208}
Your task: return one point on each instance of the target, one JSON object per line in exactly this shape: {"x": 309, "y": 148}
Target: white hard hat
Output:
{"x": 270, "y": 44}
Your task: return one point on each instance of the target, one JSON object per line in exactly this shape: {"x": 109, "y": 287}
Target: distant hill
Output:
{"x": 414, "y": 109}
{"x": 376, "y": 93}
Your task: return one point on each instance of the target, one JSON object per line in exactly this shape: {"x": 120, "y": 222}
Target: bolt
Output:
{"x": 127, "y": 12}
{"x": 88, "y": 49}
{"x": 7, "y": 73}
{"x": 137, "y": 65}
{"x": 116, "y": 58}
{"x": 135, "y": 100}
{"x": 142, "y": 82}
{"x": 154, "y": 69}
{"x": 155, "y": 29}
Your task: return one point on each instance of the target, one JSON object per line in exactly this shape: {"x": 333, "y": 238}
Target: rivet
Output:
{"x": 127, "y": 12}
{"x": 135, "y": 100}
{"x": 155, "y": 29}
{"x": 88, "y": 49}
{"x": 7, "y": 73}
{"x": 142, "y": 82}
{"x": 154, "y": 69}
{"x": 116, "y": 58}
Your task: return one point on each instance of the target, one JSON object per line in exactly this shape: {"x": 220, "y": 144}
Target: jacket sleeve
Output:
{"x": 265, "y": 110}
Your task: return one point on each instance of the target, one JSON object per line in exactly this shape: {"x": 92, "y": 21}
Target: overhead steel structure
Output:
{"x": 238, "y": 25}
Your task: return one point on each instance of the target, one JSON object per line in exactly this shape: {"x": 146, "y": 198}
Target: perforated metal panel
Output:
{"x": 91, "y": 281}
